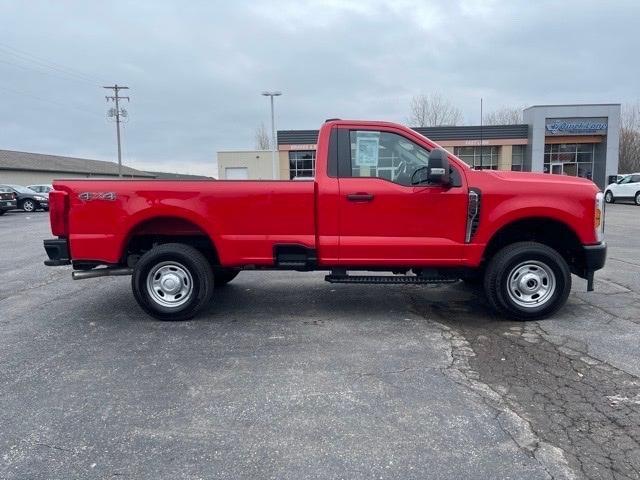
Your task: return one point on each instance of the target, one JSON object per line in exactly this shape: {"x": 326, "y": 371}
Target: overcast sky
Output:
{"x": 196, "y": 69}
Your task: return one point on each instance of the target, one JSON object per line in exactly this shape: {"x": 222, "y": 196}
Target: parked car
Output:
{"x": 384, "y": 199}
{"x": 7, "y": 200}
{"x": 626, "y": 189}
{"x": 28, "y": 200}
{"x": 44, "y": 189}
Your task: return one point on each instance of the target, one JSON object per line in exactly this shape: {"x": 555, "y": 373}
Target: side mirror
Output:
{"x": 438, "y": 169}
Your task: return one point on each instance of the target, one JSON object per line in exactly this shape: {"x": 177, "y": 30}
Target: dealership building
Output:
{"x": 576, "y": 140}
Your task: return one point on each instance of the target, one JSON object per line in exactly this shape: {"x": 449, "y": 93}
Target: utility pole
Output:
{"x": 274, "y": 146}
{"x": 116, "y": 112}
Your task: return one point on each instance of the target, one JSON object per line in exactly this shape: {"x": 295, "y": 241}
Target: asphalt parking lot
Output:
{"x": 287, "y": 376}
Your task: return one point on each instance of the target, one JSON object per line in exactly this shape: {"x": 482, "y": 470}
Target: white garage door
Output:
{"x": 236, "y": 173}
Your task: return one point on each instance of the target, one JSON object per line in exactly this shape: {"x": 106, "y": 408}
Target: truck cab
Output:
{"x": 384, "y": 198}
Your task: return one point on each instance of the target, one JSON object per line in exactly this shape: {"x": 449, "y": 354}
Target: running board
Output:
{"x": 387, "y": 279}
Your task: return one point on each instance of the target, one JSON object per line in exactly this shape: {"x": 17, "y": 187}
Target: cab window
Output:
{"x": 385, "y": 155}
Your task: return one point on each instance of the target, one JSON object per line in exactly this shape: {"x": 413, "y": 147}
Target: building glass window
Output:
{"x": 517, "y": 157}
{"x": 302, "y": 164}
{"x": 574, "y": 159}
{"x": 479, "y": 158}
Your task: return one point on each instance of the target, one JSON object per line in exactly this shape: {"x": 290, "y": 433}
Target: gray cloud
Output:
{"x": 196, "y": 69}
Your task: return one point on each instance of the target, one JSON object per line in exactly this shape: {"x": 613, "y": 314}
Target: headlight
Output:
{"x": 37, "y": 197}
{"x": 598, "y": 217}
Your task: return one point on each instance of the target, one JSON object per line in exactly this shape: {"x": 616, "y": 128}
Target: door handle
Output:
{"x": 359, "y": 197}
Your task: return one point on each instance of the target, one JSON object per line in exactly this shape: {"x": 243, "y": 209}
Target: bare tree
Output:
{"x": 503, "y": 116}
{"x": 433, "y": 110}
{"x": 262, "y": 138}
{"x": 630, "y": 139}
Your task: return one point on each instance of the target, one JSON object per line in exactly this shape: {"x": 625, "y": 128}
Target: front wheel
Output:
{"x": 608, "y": 197}
{"x": 637, "y": 198}
{"x": 2, "y": 212}
{"x": 172, "y": 282}
{"x": 527, "y": 281}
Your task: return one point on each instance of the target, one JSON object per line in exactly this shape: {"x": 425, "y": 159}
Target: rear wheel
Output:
{"x": 172, "y": 282}
{"x": 608, "y": 197}
{"x": 527, "y": 281}
{"x": 29, "y": 205}
{"x": 223, "y": 276}
{"x": 2, "y": 212}
{"x": 637, "y": 198}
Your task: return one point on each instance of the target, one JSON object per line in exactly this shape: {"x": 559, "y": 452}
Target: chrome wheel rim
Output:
{"x": 608, "y": 197}
{"x": 531, "y": 284}
{"x": 170, "y": 284}
{"x": 28, "y": 206}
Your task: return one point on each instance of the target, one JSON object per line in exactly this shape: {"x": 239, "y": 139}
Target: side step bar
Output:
{"x": 387, "y": 279}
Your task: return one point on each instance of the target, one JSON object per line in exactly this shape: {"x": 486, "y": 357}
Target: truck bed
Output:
{"x": 244, "y": 219}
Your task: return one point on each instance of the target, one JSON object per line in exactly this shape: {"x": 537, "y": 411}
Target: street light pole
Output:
{"x": 274, "y": 146}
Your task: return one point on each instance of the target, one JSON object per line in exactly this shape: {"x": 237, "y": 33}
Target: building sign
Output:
{"x": 297, "y": 147}
{"x": 575, "y": 126}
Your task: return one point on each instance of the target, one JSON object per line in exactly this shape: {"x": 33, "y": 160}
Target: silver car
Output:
{"x": 42, "y": 188}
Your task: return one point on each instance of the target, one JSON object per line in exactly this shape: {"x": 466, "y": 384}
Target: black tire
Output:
{"x": 637, "y": 198}
{"x": 28, "y": 205}
{"x": 2, "y": 212}
{"x": 609, "y": 198}
{"x": 192, "y": 274}
{"x": 542, "y": 271}
{"x": 223, "y": 276}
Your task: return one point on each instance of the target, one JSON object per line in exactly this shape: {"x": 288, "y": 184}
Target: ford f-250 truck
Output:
{"x": 384, "y": 199}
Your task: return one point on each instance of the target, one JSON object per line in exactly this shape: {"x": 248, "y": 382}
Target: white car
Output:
{"x": 628, "y": 188}
{"x": 44, "y": 188}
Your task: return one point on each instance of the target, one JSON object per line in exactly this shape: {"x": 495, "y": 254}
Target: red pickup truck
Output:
{"x": 384, "y": 199}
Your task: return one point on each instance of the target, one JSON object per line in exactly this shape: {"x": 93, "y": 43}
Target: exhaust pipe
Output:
{"x": 100, "y": 272}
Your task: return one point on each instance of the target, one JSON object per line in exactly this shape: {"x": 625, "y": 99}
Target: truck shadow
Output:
{"x": 314, "y": 301}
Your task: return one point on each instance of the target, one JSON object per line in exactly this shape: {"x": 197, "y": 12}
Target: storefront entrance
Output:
{"x": 556, "y": 168}
{"x": 573, "y": 159}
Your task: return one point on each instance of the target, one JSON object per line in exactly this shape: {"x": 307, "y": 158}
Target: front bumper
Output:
{"x": 595, "y": 256}
{"x": 57, "y": 251}
{"x": 594, "y": 259}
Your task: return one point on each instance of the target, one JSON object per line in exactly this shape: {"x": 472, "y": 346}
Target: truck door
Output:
{"x": 384, "y": 219}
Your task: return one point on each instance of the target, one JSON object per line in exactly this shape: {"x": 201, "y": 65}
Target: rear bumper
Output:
{"x": 58, "y": 252}
{"x": 8, "y": 205}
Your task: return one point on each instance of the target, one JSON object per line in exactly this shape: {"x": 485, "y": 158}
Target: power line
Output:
{"x": 35, "y": 69}
{"x": 28, "y": 57}
{"x": 47, "y": 100}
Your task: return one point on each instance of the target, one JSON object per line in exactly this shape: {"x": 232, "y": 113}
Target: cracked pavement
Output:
{"x": 287, "y": 376}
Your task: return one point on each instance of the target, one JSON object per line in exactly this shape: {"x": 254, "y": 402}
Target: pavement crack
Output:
{"x": 574, "y": 413}
{"x": 54, "y": 447}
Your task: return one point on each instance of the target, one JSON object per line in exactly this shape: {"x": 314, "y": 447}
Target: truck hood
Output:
{"x": 538, "y": 177}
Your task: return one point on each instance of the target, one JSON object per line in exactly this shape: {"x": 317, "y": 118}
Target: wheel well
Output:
{"x": 159, "y": 230}
{"x": 552, "y": 233}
